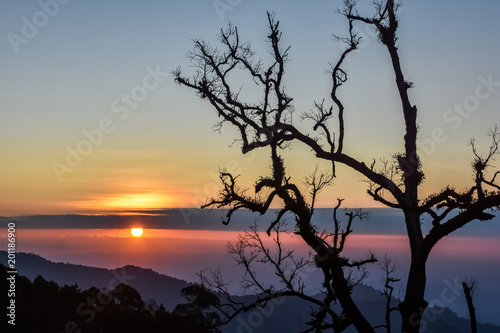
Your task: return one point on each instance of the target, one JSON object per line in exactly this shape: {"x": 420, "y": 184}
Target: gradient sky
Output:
{"x": 68, "y": 76}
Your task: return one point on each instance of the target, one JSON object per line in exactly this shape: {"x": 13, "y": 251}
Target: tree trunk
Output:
{"x": 470, "y": 305}
{"x": 350, "y": 308}
{"x": 414, "y": 305}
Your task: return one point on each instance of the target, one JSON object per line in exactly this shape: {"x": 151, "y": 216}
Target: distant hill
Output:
{"x": 166, "y": 290}
{"x": 146, "y": 281}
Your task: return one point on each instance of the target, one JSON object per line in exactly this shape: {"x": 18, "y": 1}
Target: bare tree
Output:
{"x": 389, "y": 268}
{"x": 268, "y": 123}
{"x": 250, "y": 249}
{"x": 469, "y": 288}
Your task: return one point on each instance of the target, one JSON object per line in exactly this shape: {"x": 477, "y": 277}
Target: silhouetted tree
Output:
{"x": 152, "y": 306}
{"x": 199, "y": 308}
{"x": 389, "y": 267}
{"x": 127, "y": 297}
{"x": 339, "y": 281}
{"x": 469, "y": 288}
{"x": 44, "y": 306}
{"x": 268, "y": 123}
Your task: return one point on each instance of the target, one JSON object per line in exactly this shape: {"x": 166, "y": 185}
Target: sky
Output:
{"x": 91, "y": 121}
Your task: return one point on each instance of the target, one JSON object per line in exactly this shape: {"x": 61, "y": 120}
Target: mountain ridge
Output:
{"x": 143, "y": 279}
{"x": 167, "y": 290}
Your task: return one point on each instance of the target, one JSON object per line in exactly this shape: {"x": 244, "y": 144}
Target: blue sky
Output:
{"x": 65, "y": 76}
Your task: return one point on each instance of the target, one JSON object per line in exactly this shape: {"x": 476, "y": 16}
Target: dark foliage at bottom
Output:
{"x": 44, "y": 306}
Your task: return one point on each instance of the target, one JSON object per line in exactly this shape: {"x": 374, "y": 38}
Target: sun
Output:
{"x": 137, "y": 232}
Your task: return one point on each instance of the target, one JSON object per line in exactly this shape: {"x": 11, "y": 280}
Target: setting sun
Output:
{"x": 136, "y": 232}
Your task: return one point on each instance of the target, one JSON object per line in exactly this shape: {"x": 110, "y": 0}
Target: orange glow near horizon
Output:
{"x": 137, "y": 201}
{"x": 122, "y": 204}
{"x": 138, "y": 195}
